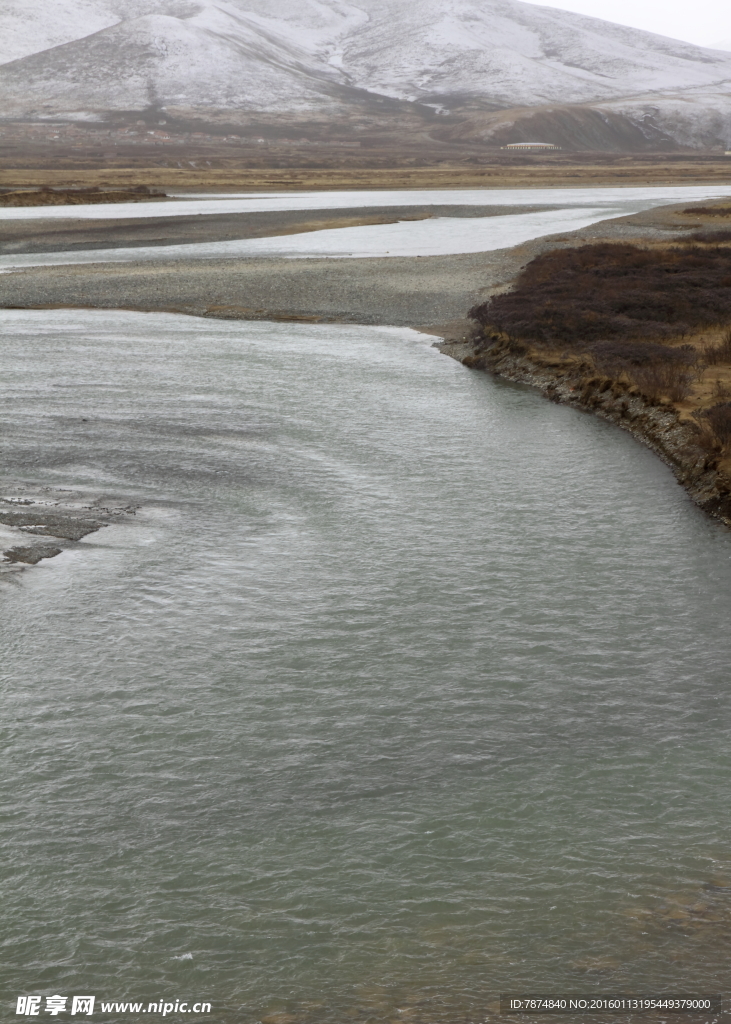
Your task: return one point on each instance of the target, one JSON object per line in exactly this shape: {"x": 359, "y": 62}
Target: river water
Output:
{"x": 636, "y": 198}
{"x": 404, "y": 687}
{"x": 434, "y": 237}
{"x": 576, "y": 208}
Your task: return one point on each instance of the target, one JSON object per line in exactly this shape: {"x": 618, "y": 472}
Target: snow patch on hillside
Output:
{"x": 30, "y": 26}
{"x": 287, "y": 56}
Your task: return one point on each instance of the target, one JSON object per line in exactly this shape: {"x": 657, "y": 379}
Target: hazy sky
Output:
{"x": 706, "y": 22}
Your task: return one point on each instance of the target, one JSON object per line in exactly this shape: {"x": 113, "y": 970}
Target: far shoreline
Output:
{"x": 580, "y": 170}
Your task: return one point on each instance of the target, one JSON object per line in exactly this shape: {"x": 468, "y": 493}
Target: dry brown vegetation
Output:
{"x": 709, "y": 211}
{"x": 491, "y": 172}
{"x": 711, "y": 237}
{"x": 76, "y": 196}
{"x": 654, "y": 318}
{"x": 610, "y": 292}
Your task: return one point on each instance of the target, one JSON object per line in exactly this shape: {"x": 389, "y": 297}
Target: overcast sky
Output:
{"x": 707, "y": 22}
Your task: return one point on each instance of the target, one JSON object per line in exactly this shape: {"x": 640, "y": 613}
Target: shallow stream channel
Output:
{"x": 547, "y": 211}
{"x": 393, "y": 688}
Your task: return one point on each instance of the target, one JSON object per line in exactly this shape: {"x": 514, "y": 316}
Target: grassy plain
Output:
{"x": 525, "y": 173}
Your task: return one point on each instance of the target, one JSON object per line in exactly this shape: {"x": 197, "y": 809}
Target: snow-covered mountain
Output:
{"x": 299, "y": 56}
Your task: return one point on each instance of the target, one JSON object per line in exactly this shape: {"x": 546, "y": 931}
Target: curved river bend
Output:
{"x": 404, "y": 687}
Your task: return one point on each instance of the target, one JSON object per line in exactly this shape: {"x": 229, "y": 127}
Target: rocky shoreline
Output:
{"x": 658, "y": 426}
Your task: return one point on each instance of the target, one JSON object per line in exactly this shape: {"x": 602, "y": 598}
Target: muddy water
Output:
{"x": 401, "y": 689}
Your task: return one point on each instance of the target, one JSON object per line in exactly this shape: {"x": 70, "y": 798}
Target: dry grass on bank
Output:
{"x": 656, "y": 319}
{"x": 628, "y": 172}
{"x": 46, "y": 196}
{"x": 709, "y": 211}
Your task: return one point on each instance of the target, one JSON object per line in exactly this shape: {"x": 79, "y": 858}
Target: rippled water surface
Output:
{"x": 404, "y": 687}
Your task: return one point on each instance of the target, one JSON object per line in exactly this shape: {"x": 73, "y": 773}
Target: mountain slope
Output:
{"x": 283, "y": 56}
{"x": 515, "y": 53}
{"x": 214, "y": 58}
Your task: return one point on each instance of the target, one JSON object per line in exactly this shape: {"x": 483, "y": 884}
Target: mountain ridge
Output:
{"x": 273, "y": 57}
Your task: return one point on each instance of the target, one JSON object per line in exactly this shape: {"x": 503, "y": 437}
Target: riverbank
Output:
{"x": 68, "y": 234}
{"x": 81, "y": 196}
{"x": 637, "y": 334}
{"x": 431, "y": 294}
{"x": 661, "y": 425}
{"x": 506, "y": 171}
{"x": 370, "y": 602}
{"x": 389, "y": 291}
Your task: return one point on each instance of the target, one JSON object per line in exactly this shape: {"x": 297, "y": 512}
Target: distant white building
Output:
{"x": 530, "y": 145}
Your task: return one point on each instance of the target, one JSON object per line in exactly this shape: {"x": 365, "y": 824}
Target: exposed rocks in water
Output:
{"x": 61, "y": 523}
{"x": 67, "y": 523}
{"x": 31, "y": 555}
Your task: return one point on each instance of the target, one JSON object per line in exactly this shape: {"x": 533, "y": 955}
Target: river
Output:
{"x": 404, "y": 687}
{"x": 575, "y": 208}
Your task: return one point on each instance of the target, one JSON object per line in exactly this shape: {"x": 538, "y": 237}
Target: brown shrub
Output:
{"x": 710, "y": 237}
{"x": 618, "y": 356}
{"x": 715, "y": 354}
{"x": 705, "y": 438}
{"x": 656, "y": 369}
{"x": 671, "y": 379}
{"x": 714, "y": 427}
{"x": 709, "y": 211}
{"x": 605, "y": 292}
{"x": 719, "y": 419}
